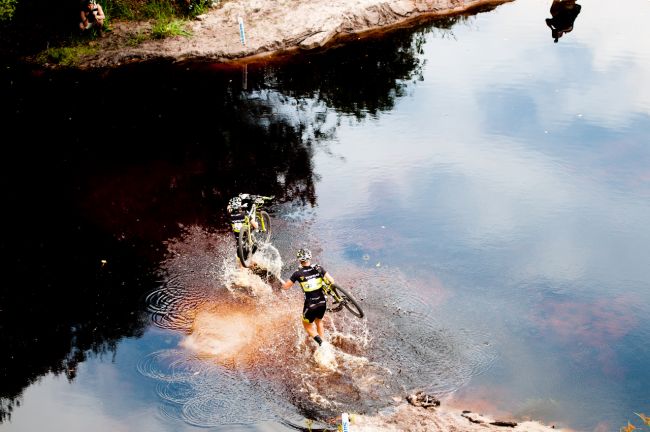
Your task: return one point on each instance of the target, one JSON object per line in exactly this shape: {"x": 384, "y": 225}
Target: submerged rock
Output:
{"x": 423, "y": 400}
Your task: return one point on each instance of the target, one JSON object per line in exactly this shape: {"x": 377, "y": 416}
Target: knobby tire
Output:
{"x": 348, "y": 301}
{"x": 244, "y": 245}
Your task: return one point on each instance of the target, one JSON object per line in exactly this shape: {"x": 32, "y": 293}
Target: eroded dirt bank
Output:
{"x": 270, "y": 27}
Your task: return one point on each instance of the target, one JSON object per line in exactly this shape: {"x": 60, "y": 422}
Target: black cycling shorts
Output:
{"x": 314, "y": 309}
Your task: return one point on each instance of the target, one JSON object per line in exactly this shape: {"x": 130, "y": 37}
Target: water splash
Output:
{"x": 325, "y": 358}
{"x": 267, "y": 257}
{"x": 242, "y": 342}
{"x": 222, "y": 335}
{"x": 244, "y": 282}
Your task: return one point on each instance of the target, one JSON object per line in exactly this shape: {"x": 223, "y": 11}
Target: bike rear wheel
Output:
{"x": 245, "y": 245}
{"x": 264, "y": 224}
{"x": 348, "y": 301}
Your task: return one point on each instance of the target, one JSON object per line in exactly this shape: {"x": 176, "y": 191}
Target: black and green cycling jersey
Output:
{"x": 237, "y": 220}
{"x": 311, "y": 279}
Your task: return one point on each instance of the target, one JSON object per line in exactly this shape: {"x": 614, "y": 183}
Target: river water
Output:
{"x": 482, "y": 190}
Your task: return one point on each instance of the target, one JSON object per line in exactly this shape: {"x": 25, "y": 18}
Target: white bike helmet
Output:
{"x": 234, "y": 203}
{"x": 303, "y": 254}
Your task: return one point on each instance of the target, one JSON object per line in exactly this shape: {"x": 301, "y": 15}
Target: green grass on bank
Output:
{"x": 168, "y": 28}
{"x": 48, "y": 32}
{"x": 66, "y": 55}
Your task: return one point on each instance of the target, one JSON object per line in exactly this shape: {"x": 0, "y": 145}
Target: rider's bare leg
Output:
{"x": 313, "y": 331}
{"x": 319, "y": 327}
{"x": 310, "y": 328}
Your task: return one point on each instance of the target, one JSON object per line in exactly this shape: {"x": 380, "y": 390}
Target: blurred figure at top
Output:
{"x": 92, "y": 16}
{"x": 564, "y": 13}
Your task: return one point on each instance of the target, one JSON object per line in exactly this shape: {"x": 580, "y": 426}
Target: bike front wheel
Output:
{"x": 348, "y": 301}
{"x": 245, "y": 245}
{"x": 264, "y": 224}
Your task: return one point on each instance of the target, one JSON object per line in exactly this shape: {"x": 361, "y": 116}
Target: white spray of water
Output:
{"x": 268, "y": 258}
{"x": 254, "y": 281}
{"x": 236, "y": 318}
{"x": 325, "y": 357}
{"x": 242, "y": 281}
{"x": 220, "y": 335}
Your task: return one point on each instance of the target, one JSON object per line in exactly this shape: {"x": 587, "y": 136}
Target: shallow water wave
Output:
{"x": 405, "y": 333}
{"x": 170, "y": 411}
{"x": 169, "y": 309}
{"x": 350, "y": 372}
{"x": 164, "y": 365}
{"x": 202, "y": 393}
{"x": 233, "y": 401}
{"x": 192, "y": 274}
{"x": 177, "y": 389}
{"x": 243, "y": 343}
{"x": 241, "y": 336}
{"x": 425, "y": 355}
{"x": 338, "y": 375}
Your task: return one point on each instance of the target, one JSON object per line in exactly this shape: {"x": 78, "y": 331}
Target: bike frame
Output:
{"x": 327, "y": 287}
{"x": 342, "y": 299}
{"x": 254, "y": 215}
{"x": 247, "y": 240}
{"x": 251, "y": 214}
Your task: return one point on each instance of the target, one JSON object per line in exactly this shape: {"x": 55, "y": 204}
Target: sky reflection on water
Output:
{"x": 517, "y": 173}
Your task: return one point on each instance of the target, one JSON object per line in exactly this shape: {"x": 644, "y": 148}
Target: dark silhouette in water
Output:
{"x": 564, "y": 13}
{"x": 86, "y": 221}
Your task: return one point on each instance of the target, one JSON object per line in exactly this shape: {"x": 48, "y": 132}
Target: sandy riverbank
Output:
{"x": 270, "y": 27}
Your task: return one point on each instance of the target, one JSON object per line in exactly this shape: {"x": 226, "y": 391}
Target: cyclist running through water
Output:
{"x": 310, "y": 277}
{"x": 237, "y": 209}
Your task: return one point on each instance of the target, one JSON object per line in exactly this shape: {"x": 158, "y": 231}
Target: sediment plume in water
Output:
{"x": 234, "y": 320}
{"x": 242, "y": 345}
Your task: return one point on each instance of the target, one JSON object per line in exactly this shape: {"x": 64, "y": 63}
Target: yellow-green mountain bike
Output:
{"x": 338, "y": 298}
{"x": 249, "y": 239}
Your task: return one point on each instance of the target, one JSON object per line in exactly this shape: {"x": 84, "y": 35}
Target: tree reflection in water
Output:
{"x": 91, "y": 191}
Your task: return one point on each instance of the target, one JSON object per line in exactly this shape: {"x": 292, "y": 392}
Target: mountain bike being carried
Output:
{"x": 250, "y": 224}
{"x": 318, "y": 285}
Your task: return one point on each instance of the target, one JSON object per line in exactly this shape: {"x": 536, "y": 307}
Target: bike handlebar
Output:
{"x": 259, "y": 199}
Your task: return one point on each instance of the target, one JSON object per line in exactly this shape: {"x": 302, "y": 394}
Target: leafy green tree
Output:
{"x": 7, "y": 9}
